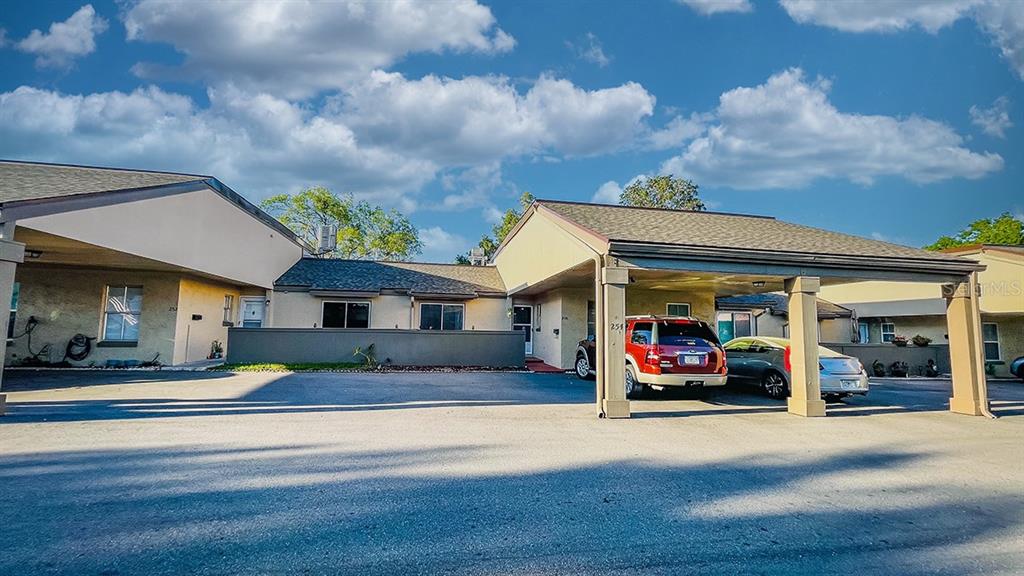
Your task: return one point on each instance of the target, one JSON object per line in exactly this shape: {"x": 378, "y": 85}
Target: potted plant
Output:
{"x": 878, "y": 368}
{"x": 921, "y": 341}
{"x": 899, "y": 369}
{"x": 900, "y": 341}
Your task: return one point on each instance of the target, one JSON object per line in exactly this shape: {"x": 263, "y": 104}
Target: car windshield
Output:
{"x": 685, "y": 334}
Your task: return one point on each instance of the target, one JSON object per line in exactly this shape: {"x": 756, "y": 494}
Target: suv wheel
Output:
{"x": 633, "y": 388}
{"x": 775, "y": 385}
{"x": 582, "y": 366}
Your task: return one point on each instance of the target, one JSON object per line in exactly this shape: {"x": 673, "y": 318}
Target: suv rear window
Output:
{"x": 684, "y": 333}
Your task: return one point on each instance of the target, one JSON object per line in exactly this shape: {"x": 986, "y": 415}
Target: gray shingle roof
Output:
{"x": 718, "y": 230}
{"x": 779, "y": 304}
{"x": 36, "y": 181}
{"x": 369, "y": 276}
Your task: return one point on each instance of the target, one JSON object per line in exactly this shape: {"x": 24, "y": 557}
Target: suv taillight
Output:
{"x": 654, "y": 356}
{"x": 785, "y": 359}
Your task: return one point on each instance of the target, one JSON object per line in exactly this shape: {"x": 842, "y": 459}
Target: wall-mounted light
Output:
{"x": 758, "y": 284}
{"x": 33, "y": 253}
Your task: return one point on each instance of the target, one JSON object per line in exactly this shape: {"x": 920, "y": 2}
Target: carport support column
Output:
{"x": 970, "y": 394}
{"x": 11, "y": 254}
{"x": 805, "y": 378}
{"x": 613, "y": 341}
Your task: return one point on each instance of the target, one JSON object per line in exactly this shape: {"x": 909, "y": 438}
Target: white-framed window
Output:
{"x": 677, "y": 309}
{"x": 122, "y": 314}
{"x": 229, "y": 310}
{"x": 442, "y": 316}
{"x": 888, "y": 331}
{"x": 339, "y": 314}
{"x": 15, "y": 294}
{"x": 990, "y": 340}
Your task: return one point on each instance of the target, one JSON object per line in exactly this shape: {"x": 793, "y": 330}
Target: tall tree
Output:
{"x": 1004, "y": 229}
{"x": 364, "y": 231}
{"x": 662, "y": 192}
{"x": 490, "y": 242}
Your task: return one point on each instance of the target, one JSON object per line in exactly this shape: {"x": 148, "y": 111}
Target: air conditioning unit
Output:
{"x": 477, "y": 257}
{"x": 327, "y": 238}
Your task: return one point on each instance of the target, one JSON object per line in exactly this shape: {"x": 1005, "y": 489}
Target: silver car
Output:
{"x": 764, "y": 362}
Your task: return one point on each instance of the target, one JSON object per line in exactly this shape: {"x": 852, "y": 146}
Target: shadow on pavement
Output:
{"x": 303, "y": 509}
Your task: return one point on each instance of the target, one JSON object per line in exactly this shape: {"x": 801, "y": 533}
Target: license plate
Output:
{"x": 691, "y": 360}
{"x": 849, "y": 384}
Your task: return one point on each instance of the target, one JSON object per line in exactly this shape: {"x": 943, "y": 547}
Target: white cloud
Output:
{"x": 709, "y": 7}
{"x": 786, "y": 133}
{"x": 384, "y": 139}
{"x": 995, "y": 120}
{"x": 301, "y": 47}
{"x": 590, "y": 50}
{"x": 1002, "y": 20}
{"x": 65, "y": 41}
{"x": 677, "y": 131}
{"x": 607, "y": 193}
{"x": 259, "y": 144}
{"x": 441, "y": 245}
{"x": 480, "y": 119}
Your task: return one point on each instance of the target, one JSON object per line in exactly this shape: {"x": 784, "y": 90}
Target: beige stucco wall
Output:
{"x": 1011, "y": 340}
{"x": 193, "y": 338}
{"x": 540, "y": 249}
{"x": 837, "y": 330}
{"x": 303, "y": 310}
{"x": 202, "y": 231}
{"x": 68, "y": 301}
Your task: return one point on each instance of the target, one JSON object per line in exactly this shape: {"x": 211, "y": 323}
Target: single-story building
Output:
{"x": 143, "y": 265}
{"x": 885, "y": 310}
{"x": 767, "y": 314}
{"x": 146, "y": 266}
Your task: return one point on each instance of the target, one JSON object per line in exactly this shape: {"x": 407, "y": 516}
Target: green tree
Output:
{"x": 662, "y": 192}
{"x": 364, "y": 231}
{"x": 490, "y": 242}
{"x": 1004, "y": 229}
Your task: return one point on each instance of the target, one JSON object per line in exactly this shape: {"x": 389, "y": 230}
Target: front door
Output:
{"x": 252, "y": 312}
{"x": 522, "y": 319}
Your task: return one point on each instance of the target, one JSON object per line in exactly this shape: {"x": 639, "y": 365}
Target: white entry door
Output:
{"x": 522, "y": 319}
{"x": 252, "y": 312}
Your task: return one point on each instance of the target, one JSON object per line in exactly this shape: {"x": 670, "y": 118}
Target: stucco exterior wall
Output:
{"x": 193, "y": 338}
{"x": 387, "y": 311}
{"x": 835, "y": 330}
{"x": 540, "y": 249}
{"x": 201, "y": 231}
{"x": 69, "y": 301}
{"x": 1011, "y": 340}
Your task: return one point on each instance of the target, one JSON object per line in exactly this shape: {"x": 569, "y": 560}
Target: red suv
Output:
{"x": 664, "y": 351}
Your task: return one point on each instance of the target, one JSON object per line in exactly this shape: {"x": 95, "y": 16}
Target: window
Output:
{"x": 734, "y": 325}
{"x": 642, "y": 333}
{"x": 685, "y": 334}
{"x": 888, "y": 331}
{"x": 441, "y": 316}
{"x": 15, "y": 293}
{"x": 990, "y": 339}
{"x": 591, "y": 320}
{"x": 229, "y": 309}
{"x": 122, "y": 314}
{"x": 674, "y": 309}
{"x": 345, "y": 315}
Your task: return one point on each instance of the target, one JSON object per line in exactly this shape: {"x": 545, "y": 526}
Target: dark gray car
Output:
{"x": 764, "y": 362}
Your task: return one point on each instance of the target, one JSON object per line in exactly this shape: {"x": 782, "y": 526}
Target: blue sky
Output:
{"x": 897, "y": 120}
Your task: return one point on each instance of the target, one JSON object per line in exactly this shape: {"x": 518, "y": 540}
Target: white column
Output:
{"x": 11, "y": 254}
{"x": 613, "y": 283}
{"x": 805, "y": 377}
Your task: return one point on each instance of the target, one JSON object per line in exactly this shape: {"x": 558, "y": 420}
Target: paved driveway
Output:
{"x": 171, "y": 473}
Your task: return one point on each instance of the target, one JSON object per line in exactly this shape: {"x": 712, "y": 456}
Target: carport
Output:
{"x": 626, "y": 260}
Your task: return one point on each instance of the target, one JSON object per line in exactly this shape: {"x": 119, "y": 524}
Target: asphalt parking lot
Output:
{"x": 495, "y": 473}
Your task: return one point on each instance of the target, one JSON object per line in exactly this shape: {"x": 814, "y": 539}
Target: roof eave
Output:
{"x": 709, "y": 253}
